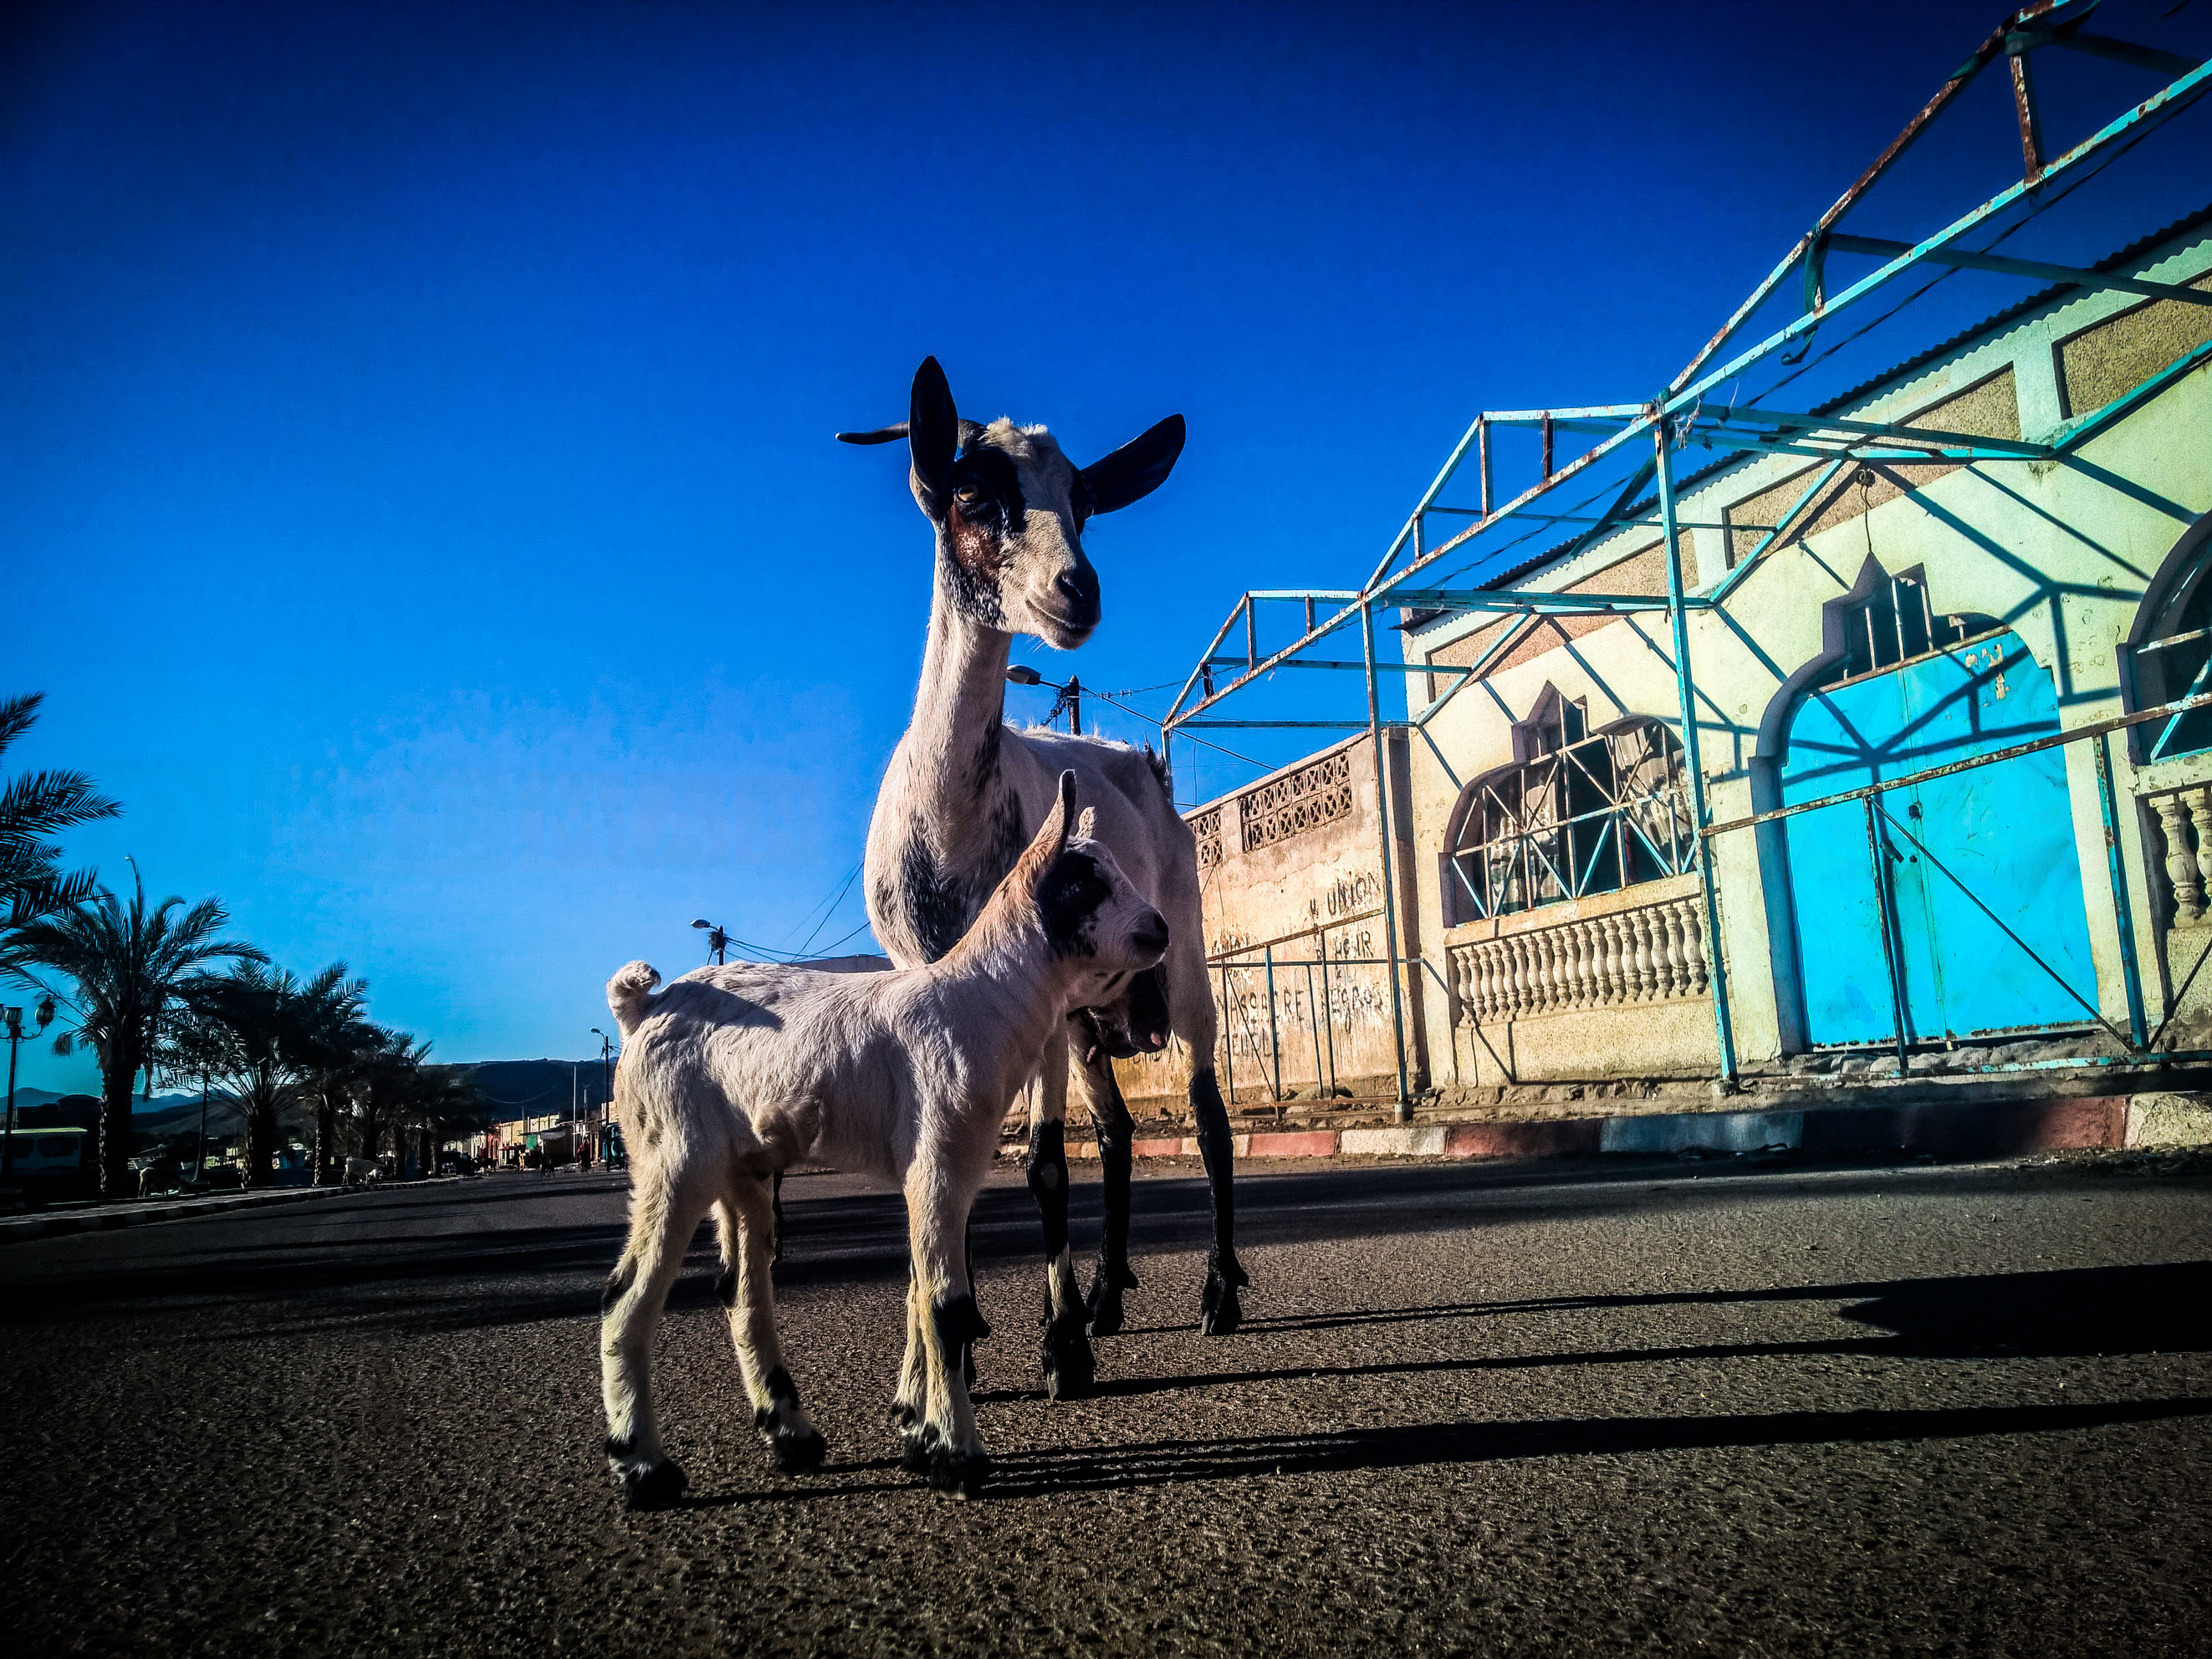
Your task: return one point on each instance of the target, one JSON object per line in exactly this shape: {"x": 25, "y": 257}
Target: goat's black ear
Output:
{"x": 932, "y": 436}
{"x": 1136, "y": 469}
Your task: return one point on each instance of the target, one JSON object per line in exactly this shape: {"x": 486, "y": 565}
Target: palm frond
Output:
{"x": 18, "y": 714}
{"x": 39, "y": 803}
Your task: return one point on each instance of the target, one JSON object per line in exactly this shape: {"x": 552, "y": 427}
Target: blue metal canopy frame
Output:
{"x": 1682, "y": 413}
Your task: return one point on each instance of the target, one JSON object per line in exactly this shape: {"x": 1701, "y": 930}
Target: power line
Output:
{"x": 830, "y": 949}
{"x": 832, "y": 910}
{"x": 1186, "y": 738}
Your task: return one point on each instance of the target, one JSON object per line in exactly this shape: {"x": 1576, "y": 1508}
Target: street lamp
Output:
{"x": 606, "y": 1074}
{"x": 717, "y": 941}
{"x": 14, "y": 1018}
{"x": 606, "y": 1062}
{"x": 1070, "y": 698}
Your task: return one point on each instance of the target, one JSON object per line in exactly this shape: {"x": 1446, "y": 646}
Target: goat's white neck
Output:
{"x": 1026, "y": 988}
{"x": 952, "y": 739}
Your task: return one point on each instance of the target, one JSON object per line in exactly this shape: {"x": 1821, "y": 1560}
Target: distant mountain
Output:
{"x": 157, "y": 1114}
{"x": 512, "y": 1089}
{"x": 536, "y": 1088}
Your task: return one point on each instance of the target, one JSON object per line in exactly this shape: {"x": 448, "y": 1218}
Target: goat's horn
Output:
{"x": 971, "y": 431}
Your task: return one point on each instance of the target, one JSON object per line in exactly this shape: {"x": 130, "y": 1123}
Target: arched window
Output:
{"x": 2170, "y": 653}
{"x": 1579, "y": 812}
{"x": 1888, "y": 620}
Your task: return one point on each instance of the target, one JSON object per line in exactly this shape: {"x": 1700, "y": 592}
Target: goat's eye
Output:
{"x": 968, "y": 495}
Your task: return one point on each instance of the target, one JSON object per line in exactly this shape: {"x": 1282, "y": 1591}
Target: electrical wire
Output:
{"x": 832, "y": 910}
{"x": 1185, "y": 736}
{"x": 830, "y": 949}
{"x": 2034, "y": 211}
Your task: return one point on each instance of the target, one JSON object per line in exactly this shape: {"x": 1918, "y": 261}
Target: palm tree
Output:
{"x": 332, "y": 1041}
{"x": 194, "y": 1048}
{"x": 447, "y": 1103}
{"x": 33, "y": 807}
{"x": 134, "y": 968}
{"x": 285, "y": 1041}
{"x": 392, "y": 1076}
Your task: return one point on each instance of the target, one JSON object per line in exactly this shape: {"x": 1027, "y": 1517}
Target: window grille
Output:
{"x": 1206, "y": 829}
{"x": 1582, "y": 815}
{"x": 1306, "y": 800}
{"x": 1895, "y": 623}
{"x": 2176, "y": 662}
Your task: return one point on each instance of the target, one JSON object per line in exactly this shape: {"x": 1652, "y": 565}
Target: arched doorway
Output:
{"x": 1908, "y": 689}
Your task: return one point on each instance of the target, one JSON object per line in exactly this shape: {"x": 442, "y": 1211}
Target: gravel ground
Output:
{"x": 1478, "y": 1407}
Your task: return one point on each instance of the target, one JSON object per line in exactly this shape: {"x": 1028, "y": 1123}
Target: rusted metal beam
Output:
{"x": 1956, "y": 83}
{"x": 1935, "y": 438}
{"x": 2031, "y": 130}
{"x": 2035, "y": 268}
{"x": 2123, "y": 52}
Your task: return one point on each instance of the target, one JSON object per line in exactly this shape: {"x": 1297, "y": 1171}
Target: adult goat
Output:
{"x": 964, "y": 789}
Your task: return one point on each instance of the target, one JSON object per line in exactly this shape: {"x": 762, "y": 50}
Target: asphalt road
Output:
{"x": 1476, "y": 1408}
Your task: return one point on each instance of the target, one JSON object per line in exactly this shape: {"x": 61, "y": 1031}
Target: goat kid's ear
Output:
{"x": 1064, "y": 811}
{"x": 1051, "y": 838}
{"x": 1085, "y": 823}
{"x": 932, "y": 437}
{"x": 1136, "y": 469}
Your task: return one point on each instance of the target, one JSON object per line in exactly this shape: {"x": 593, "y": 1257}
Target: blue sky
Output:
{"x": 416, "y": 481}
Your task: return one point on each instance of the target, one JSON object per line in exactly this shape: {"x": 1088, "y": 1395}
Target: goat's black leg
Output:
{"x": 1068, "y": 1366}
{"x": 775, "y": 1203}
{"x": 968, "y": 1263}
{"x": 1109, "y": 1114}
{"x": 1220, "y": 1310}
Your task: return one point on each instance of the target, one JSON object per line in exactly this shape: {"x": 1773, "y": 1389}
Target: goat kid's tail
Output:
{"x": 628, "y": 993}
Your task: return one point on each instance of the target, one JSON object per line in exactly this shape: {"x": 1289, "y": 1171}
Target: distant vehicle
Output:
{"x": 51, "y": 1162}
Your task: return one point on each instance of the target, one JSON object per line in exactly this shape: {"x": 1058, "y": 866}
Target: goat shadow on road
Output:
{"x": 1051, "y": 1474}
{"x": 481, "y": 1279}
{"x": 1057, "y": 1472}
{"x": 2162, "y": 1308}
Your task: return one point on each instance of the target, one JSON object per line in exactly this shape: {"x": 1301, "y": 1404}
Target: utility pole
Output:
{"x": 1070, "y": 698}
{"x": 606, "y": 1080}
{"x": 14, "y": 1042}
{"x": 717, "y": 940}
{"x": 15, "y": 1032}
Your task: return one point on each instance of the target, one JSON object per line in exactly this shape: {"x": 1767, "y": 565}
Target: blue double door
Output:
{"x": 2003, "y": 834}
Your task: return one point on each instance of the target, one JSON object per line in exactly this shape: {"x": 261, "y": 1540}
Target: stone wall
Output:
{"x": 1292, "y": 874}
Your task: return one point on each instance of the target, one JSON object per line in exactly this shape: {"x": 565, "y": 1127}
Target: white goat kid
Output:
{"x": 964, "y": 788}
{"x": 733, "y": 1074}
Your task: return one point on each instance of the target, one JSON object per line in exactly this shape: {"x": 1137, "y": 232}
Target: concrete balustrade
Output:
{"x": 1651, "y": 953}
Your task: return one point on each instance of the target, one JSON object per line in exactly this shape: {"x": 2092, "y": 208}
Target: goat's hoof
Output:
{"x": 797, "y": 1453}
{"x": 1221, "y": 1311}
{"x": 916, "y": 1450}
{"x": 958, "y": 1475}
{"x": 1069, "y": 1366}
{"x": 1105, "y": 1308}
{"x": 652, "y": 1486}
